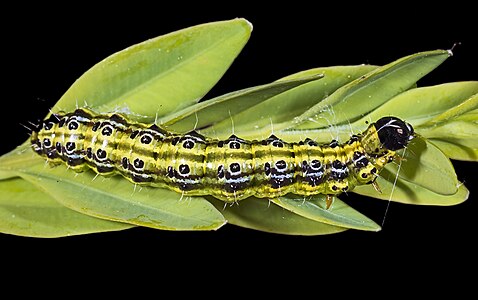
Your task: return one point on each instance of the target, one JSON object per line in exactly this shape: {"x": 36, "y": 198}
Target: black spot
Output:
{"x": 186, "y": 186}
{"x": 267, "y": 168}
{"x": 360, "y": 160}
{"x": 124, "y": 163}
{"x": 51, "y": 154}
{"x": 138, "y": 163}
{"x": 337, "y": 164}
{"x": 281, "y": 165}
{"x": 188, "y": 144}
{"x": 220, "y": 144}
{"x": 159, "y": 132}
{"x": 220, "y": 171}
{"x": 95, "y": 126}
{"x": 373, "y": 171}
{"x": 339, "y": 170}
{"x": 74, "y": 161}
{"x": 357, "y": 155}
{"x": 311, "y": 142}
{"x": 301, "y": 143}
{"x": 193, "y": 134}
{"x": 344, "y": 189}
{"x": 107, "y": 130}
{"x": 315, "y": 164}
{"x": 264, "y": 142}
{"x": 234, "y": 145}
{"x": 390, "y": 159}
{"x": 235, "y": 167}
{"x": 118, "y": 119}
{"x": 334, "y": 187}
{"x": 278, "y": 182}
{"x": 146, "y": 139}
{"x": 305, "y": 166}
{"x": 53, "y": 119}
{"x": 333, "y": 144}
{"x": 89, "y": 153}
{"x": 62, "y": 122}
{"x": 82, "y": 113}
{"x": 70, "y": 146}
{"x": 175, "y": 140}
{"x": 134, "y": 134}
{"x": 104, "y": 169}
{"x": 100, "y": 153}
{"x": 232, "y": 187}
{"x": 58, "y": 147}
{"x": 73, "y": 125}
{"x": 184, "y": 169}
{"x": 364, "y": 175}
{"x": 156, "y": 128}
{"x": 170, "y": 172}
{"x": 48, "y": 125}
{"x": 139, "y": 178}
{"x": 353, "y": 138}
{"x": 46, "y": 143}
{"x": 278, "y": 144}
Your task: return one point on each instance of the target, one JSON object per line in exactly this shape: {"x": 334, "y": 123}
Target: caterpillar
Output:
{"x": 230, "y": 170}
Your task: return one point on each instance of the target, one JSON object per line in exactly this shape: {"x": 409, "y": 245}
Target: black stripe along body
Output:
{"x": 229, "y": 170}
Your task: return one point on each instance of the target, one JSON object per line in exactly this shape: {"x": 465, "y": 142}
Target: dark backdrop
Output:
{"x": 44, "y": 52}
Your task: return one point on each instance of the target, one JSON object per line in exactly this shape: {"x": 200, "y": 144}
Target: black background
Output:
{"x": 45, "y": 51}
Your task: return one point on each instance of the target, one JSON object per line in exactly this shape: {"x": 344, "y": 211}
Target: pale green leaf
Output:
{"x": 260, "y": 214}
{"x": 19, "y": 158}
{"x": 338, "y": 214}
{"x": 425, "y": 165}
{"x": 280, "y": 111}
{"x": 27, "y": 211}
{"x": 420, "y": 105}
{"x": 457, "y": 148}
{"x": 368, "y": 92}
{"x": 160, "y": 75}
{"x": 408, "y": 192}
{"x": 116, "y": 199}
{"x": 209, "y": 112}
{"x": 469, "y": 105}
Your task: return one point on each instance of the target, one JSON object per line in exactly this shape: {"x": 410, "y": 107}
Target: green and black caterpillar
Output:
{"x": 230, "y": 170}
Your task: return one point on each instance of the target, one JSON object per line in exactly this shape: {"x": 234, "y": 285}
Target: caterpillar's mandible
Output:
{"x": 229, "y": 170}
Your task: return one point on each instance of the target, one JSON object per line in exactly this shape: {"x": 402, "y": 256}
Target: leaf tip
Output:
{"x": 247, "y": 24}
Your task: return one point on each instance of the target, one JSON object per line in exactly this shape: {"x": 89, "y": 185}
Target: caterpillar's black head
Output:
{"x": 394, "y": 134}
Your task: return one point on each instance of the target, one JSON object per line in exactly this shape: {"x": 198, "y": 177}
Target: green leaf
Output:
{"x": 26, "y": 211}
{"x": 160, "y": 75}
{"x": 427, "y": 166}
{"x": 455, "y": 131}
{"x": 364, "y": 94}
{"x": 260, "y": 214}
{"x": 339, "y": 213}
{"x": 418, "y": 106}
{"x": 282, "y": 109}
{"x": 457, "y": 148}
{"x": 410, "y": 192}
{"x": 469, "y": 105}
{"x": 19, "y": 158}
{"x": 116, "y": 199}
{"x": 206, "y": 113}
{"x": 458, "y": 139}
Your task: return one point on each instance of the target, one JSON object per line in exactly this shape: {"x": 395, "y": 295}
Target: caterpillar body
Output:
{"x": 230, "y": 170}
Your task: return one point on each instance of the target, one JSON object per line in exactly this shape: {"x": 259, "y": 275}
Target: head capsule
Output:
{"x": 393, "y": 133}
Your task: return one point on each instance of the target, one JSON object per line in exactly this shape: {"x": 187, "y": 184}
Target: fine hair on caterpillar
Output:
{"x": 230, "y": 170}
